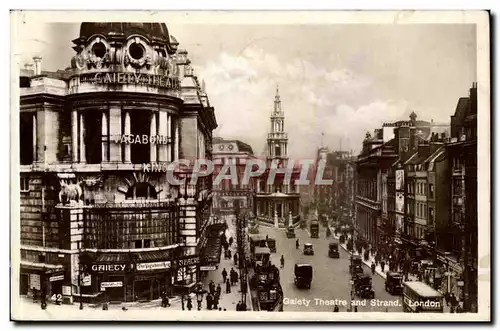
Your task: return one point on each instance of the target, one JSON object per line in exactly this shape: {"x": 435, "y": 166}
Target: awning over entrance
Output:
{"x": 47, "y": 267}
{"x": 212, "y": 250}
{"x": 113, "y": 257}
{"x": 153, "y": 256}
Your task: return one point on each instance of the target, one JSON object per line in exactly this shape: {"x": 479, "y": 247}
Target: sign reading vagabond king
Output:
{"x": 153, "y": 266}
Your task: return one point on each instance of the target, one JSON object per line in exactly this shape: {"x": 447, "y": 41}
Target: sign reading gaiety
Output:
{"x": 131, "y": 78}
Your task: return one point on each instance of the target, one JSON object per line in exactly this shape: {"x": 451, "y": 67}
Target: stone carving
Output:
{"x": 70, "y": 192}
{"x": 92, "y": 182}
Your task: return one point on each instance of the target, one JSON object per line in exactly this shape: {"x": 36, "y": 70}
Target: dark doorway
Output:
{"x": 93, "y": 137}
{"x": 26, "y": 138}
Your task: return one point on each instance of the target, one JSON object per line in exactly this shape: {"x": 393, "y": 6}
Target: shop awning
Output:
{"x": 211, "y": 252}
{"x": 42, "y": 266}
{"x": 113, "y": 257}
{"x": 67, "y": 175}
{"x": 153, "y": 256}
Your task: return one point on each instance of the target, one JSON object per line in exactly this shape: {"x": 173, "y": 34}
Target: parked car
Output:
{"x": 308, "y": 249}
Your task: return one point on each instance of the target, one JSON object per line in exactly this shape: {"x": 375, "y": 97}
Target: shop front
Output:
{"x": 128, "y": 277}
{"x": 43, "y": 277}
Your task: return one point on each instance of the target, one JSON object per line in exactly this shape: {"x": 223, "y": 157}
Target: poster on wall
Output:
{"x": 400, "y": 202}
{"x": 75, "y": 264}
{"x": 400, "y": 180}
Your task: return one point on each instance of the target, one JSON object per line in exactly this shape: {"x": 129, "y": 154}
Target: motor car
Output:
{"x": 394, "y": 283}
{"x": 333, "y": 250}
{"x": 290, "y": 232}
{"x": 308, "y": 249}
{"x": 363, "y": 287}
{"x": 303, "y": 275}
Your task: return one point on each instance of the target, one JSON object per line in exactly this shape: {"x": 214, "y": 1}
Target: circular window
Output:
{"x": 136, "y": 51}
{"x": 221, "y": 147}
{"x": 230, "y": 147}
{"x": 99, "y": 49}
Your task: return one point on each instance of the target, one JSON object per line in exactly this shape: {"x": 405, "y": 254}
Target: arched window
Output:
{"x": 141, "y": 191}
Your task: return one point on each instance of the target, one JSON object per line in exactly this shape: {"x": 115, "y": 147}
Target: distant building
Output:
{"x": 277, "y": 201}
{"x": 226, "y": 194}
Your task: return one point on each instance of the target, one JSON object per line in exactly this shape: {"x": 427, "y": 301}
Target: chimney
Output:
{"x": 38, "y": 65}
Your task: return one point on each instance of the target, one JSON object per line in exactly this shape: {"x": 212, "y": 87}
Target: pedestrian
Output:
{"x": 373, "y": 268}
{"x": 447, "y": 298}
{"x": 34, "y": 291}
{"x": 211, "y": 286}
{"x": 235, "y": 256}
{"x": 219, "y": 290}
{"x": 267, "y": 237}
{"x": 189, "y": 304}
{"x": 355, "y": 309}
{"x": 220, "y": 308}
{"x": 230, "y": 241}
{"x": 336, "y": 309}
{"x": 235, "y": 277}
{"x": 216, "y": 301}
{"x": 224, "y": 274}
{"x": 382, "y": 265}
{"x": 228, "y": 286}
{"x": 209, "y": 301}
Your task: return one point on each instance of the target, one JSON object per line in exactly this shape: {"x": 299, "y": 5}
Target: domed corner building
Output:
{"x": 99, "y": 219}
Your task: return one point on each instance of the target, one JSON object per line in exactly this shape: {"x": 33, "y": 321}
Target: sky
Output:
{"x": 341, "y": 80}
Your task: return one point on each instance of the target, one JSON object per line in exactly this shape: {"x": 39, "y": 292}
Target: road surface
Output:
{"x": 331, "y": 278}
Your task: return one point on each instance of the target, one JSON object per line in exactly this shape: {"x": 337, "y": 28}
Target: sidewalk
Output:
{"x": 378, "y": 268}
{"x": 175, "y": 304}
{"x": 227, "y": 301}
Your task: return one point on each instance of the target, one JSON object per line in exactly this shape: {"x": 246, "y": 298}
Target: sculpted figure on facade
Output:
{"x": 70, "y": 193}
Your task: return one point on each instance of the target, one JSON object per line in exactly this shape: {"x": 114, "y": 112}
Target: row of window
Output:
{"x": 421, "y": 189}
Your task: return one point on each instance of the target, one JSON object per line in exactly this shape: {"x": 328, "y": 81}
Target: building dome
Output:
{"x": 154, "y": 32}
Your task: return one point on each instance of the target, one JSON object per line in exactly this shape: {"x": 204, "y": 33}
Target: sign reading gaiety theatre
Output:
{"x": 130, "y": 78}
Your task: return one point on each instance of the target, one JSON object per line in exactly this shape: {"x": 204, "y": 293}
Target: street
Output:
{"x": 330, "y": 276}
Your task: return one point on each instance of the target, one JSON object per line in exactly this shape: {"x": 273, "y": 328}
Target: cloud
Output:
{"x": 315, "y": 99}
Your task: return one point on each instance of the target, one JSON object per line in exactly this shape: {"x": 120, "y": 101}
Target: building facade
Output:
{"x": 228, "y": 193}
{"x": 462, "y": 151}
{"x": 277, "y": 199}
{"x": 99, "y": 218}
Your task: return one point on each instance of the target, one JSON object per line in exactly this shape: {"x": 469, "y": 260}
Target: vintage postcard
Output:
{"x": 250, "y": 166}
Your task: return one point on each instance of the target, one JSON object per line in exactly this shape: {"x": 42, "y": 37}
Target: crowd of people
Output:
{"x": 391, "y": 259}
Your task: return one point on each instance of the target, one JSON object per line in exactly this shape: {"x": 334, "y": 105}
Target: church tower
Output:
{"x": 277, "y": 139}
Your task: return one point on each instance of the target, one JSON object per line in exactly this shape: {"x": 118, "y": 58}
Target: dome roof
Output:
{"x": 155, "y": 32}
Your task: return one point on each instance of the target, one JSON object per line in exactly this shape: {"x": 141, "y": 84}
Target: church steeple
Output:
{"x": 277, "y": 139}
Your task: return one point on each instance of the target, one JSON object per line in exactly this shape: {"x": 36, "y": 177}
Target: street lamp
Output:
{"x": 351, "y": 285}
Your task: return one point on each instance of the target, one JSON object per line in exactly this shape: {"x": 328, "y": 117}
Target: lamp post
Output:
{"x": 351, "y": 285}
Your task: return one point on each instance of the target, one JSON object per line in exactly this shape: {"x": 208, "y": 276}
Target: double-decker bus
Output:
{"x": 419, "y": 297}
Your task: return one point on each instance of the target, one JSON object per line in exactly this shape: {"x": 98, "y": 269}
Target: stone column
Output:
{"x": 127, "y": 158}
{"x": 177, "y": 143}
{"x": 162, "y": 131}
{"x": 82, "y": 139}
{"x": 74, "y": 136}
{"x": 152, "y": 146}
{"x": 34, "y": 138}
{"x": 115, "y": 133}
{"x": 105, "y": 138}
{"x": 169, "y": 135}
